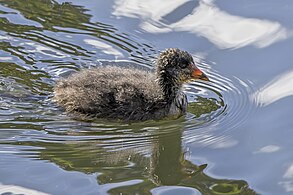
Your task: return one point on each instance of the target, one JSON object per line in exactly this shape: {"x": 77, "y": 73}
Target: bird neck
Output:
{"x": 175, "y": 98}
{"x": 170, "y": 86}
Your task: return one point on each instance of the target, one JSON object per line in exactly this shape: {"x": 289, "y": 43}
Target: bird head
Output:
{"x": 178, "y": 66}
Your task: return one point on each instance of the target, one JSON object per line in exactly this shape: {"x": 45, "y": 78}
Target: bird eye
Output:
{"x": 183, "y": 63}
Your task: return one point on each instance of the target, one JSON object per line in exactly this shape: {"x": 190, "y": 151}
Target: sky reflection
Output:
{"x": 268, "y": 149}
{"x": 206, "y": 20}
{"x": 13, "y": 189}
{"x": 104, "y": 47}
{"x": 288, "y": 175}
{"x": 278, "y": 88}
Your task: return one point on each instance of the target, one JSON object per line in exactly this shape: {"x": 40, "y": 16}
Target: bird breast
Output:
{"x": 179, "y": 105}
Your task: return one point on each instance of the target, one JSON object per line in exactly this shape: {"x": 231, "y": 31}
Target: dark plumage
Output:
{"x": 130, "y": 94}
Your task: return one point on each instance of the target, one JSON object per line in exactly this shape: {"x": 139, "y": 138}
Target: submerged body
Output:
{"x": 129, "y": 94}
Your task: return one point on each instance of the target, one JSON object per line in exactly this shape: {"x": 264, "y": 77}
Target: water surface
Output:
{"x": 235, "y": 138}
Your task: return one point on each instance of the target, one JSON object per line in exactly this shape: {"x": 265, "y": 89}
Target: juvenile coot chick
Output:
{"x": 130, "y": 94}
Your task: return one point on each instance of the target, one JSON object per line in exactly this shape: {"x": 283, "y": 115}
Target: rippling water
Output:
{"x": 235, "y": 138}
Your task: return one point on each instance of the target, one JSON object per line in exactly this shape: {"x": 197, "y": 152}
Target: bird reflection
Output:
{"x": 153, "y": 160}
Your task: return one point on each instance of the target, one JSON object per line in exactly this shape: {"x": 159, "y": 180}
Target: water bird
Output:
{"x": 130, "y": 94}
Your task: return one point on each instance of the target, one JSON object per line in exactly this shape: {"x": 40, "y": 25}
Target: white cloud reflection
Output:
{"x": 6, "y": 58}
{"x": 104, "y": 47}
{"x": 289, "y": 172}
{"x": 5, "y": 37}
{"x": 268, "y": 149}
{"x": 288, "y": 175}
{"x": 13, "y": 189}
{"x": 207, "y": 20}
{"x": 287, "y": 185}
{"x": 34, "y": 48}
{"x": 278, "y": 88}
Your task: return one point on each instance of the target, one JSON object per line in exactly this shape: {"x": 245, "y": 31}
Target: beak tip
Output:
{"x": 204, "y": 77}
{"x": 198, "y": 74}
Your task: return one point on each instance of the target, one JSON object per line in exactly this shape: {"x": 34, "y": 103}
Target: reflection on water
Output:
{"x": 268, "y": 149}
{"x": 278, "y": 88}
{"x": 41, "y": 41}
{"x": 288, "y": 176}
{"x": 226, "y": 101}
{"x": 219, "y": 27}
{"x": 106, "y": 48}
{"x": 159, "y": 160}
{"x": 57, "y": 35}
{"x": 19, "y": 190}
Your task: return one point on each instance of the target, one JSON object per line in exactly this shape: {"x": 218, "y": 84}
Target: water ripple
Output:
{"x": 222, "y": 102}
{"x": 231, "y": 105}
{"x": 42, "y": 41}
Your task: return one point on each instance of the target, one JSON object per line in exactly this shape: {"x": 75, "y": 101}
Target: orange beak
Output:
{"x": 198, "y": 74}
